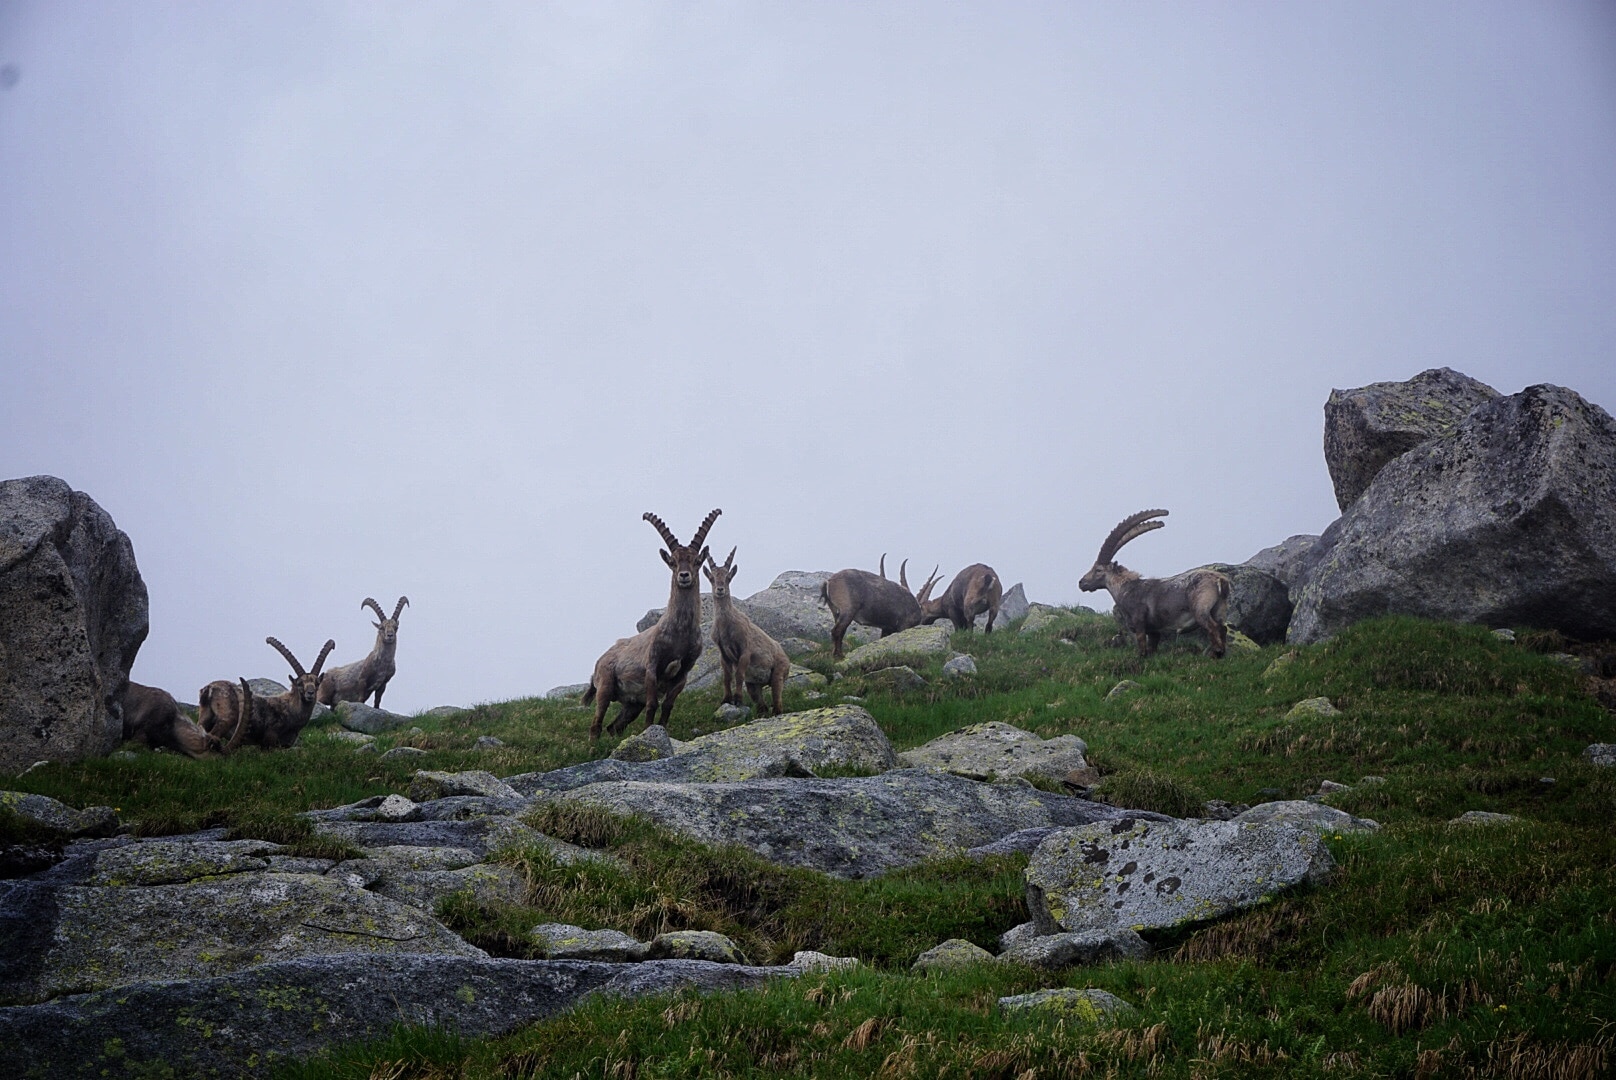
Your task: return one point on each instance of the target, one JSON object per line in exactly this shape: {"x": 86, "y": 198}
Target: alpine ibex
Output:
{"x": 750, "y": 657}
{"x": 359, "y": 680}
{"x": 152, "y": 716}
{"x": 227, "y": 712}
{"x": 1150, "y": 607}
{"x": 862, "y": 597}
{"x": 654, "y": 663}
{"x": 975, "y": 589}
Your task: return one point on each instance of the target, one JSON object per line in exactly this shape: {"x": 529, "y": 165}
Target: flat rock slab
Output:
{"x": 356, "y": 716}
{"x": 478, "y": 835}
{"x": 853, "y": 826}
{"x": 1055, "y": 952}
{"x": 915, "y": 643}
{"x": 793, "y": 744}
{"x": 1090, "y": 1005}
{"x": 49, "y": 815}
{"x": 997, "y": 750}
{"x": 428, "y": 785}
{"x": 563, "y": 941}
{"x": 1307, "y": 815}
{"x": 257, "y": 1020}
{"x": 1151, "y": 875}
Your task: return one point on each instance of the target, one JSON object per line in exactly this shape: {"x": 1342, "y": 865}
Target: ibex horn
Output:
{"x": 290, "y": 659}
{"x": 925, "y": 590}
{"x": 319, "y": 661}
{"x": 661, "y": 526}
{"x": 903, "y": 578}
{"x": 729, "y": 562}
{"x": 701, "y": 533}
{"x": 403, "y": 602}
{"x": 243, "y": 719}
{"x": 1129, "y": 528}
{"x": 883, "y": 566}
{"x": 374, "y": 606}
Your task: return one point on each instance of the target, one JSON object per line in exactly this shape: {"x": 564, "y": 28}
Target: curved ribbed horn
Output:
{"x": 903, "y": 579}
{"x": 729, "y": 563}
{"x": 701, "y": 533}
{"x": 925, "y": 590}
{"x": 319, "y": 661}
{"x": 243, "y": 719}
{"x": 1129, "y": 528}
{"x": 290, "y": 659}
{"x": 662, "y": 527}
{"x": 403, "y": 602}
{"x": 374, "y": 606}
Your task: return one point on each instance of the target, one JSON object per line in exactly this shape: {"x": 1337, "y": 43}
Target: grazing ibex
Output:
{"x": 862, "y": 597}
{"x": 153, "y": 717}
{"x": 1150, "y": 607}
{"x": 751, "y": 658}
{"x": 975, "y": 589}
{"x": 229, "y": 713}
{"x": 654, "y": 663}
{"x": 359, "y": 680}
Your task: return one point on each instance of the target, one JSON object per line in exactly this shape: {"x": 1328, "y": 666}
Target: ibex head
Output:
{"x": 721, "y": 576}
{"x": 388, "y": 627}
{"x": 684, "y": 560}
{"x": 1130, "y": 527}
{"x": 305, "y": 684}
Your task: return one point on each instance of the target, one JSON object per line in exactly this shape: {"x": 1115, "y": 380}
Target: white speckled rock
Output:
{"x": 953, "y": 953}
{"x": 1483, "y": 817}
{"x": 1313, "y": 706}
{"x": 1307, "y": 815}
{"x": 559, "y": 941}
{"x": 1601, "y": 754}
{"x": 996, "y": 750}
{"x": 915, "y": 643}
{"x": 818, "y": 961}
{"x": 695, "y": 945}
{"x": 1054, "y": 952}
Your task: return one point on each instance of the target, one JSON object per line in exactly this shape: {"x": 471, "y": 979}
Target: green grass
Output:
{"x": 1435, "y": 950}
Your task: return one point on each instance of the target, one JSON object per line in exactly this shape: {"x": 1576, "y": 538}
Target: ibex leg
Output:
{"x": 838, "y": 632}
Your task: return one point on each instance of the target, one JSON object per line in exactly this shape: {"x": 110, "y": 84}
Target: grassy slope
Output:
{"x": 1436, "y": 950}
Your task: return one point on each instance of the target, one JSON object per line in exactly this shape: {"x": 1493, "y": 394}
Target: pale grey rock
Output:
{"x": 1016, "y": 935}
{"x": 1280, "y": 664}
{"x": 47, "y": 814}
{"x": 397, "y": 808}
{"x": 1290, "y": 560}
{"x": 695, "y": 945}
{"x": 260, "y": 1019}
{"x": 849, "y": 826}
{"x": 403, "y": 753}
{"x": 438, "y": 712}
{"x": 1505, "y": 635}
{"x": 796, "y": 646}
{"x": 1221, "y": 810}
{"x": 1312, "y": 707}
{"x": 1012, "y": 606}
{"x": 997, "y": 750}
{"x": 958, "y": 667}
{"x": 357, "y": 716}
{"x": 790, "y": 608}
{"x": 1155, "y": 875}
{"x": 1259, "y": 602}
{"x": 810, "y": 960}
{"x": 560, "y": 941}
{"x": 1039, "y": 617}
{"x": 1069, "y": 1003}
{"x": 1367, "y": 428}
{"x": 918, "y": 643}
{"x": 128, "y": 755}
{"x": 1020, "y": 842}
{"x": 953, "y": 953}
{"x": 1126, "y": 686}
{"x": 1509, "y": 520}
{"x": 173, "y": 862}
{"x": 805, "y": 678}
{"x": 1056, "y": 952}
{"x": 354, "y": 739}
{"x": 428, "y": 785}
{"x": 652, "y": 744}
{"x": 75, "y": 617}
{"x": 488, "y": 883}
{"x": 732, "y": 714}
{"x": 1315, "y": 817}
{"x": 892, "y": 680}
{"x": 1331, "y": 787}
{"x": 1601, "y": 754}
{"x": 266, "y": 687}
{"x": 1483, "y": 817}
{"x": 488, "y": 742}
{"x": 569, "y": 690}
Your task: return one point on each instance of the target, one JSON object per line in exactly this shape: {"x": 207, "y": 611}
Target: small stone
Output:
{"x": 357, "y": 716}
{"x": 1505, "y": 635}
{"x": 959, "y": 667}
{"x": 1092, "y": 1005}
{"x": 1126, "y": 686}
{"x": 732, "y": 714}
{"x": 31, "y": 768}
{"x": 1280, "y": 664}
{"x": 1016, "y": 935}
{"x": 1371, "y": 779}
{"x": 397, "y": 808}
{"x": 1239, "y": 642}
{"x": 1565, "y": 659}
{"x": 1483, "y": 817}
{"x": 695, "y": 945}
{"x": 1330, "y": 787}
{"x": 1220, "y": 810}
{"x": 124, "y": 755}
{"x": 854, "y": 698}
{"x": 652, "y": 744}
{"x": 953, "y": 953}
{"x": 352, "y": 738}
{"x": 817, "y": 961}
{"x": 560, "y": 941}
{"x": 571, "y": 690}
{"x": 428, "y": 785}
{"x": 402, "y": 753}
{"x": 1310, "y": 707}
{"x": 1053, "y": 952}
{"x": 488, "y": 742}
{"x": 1601, "y": 754}
{"x": 894, "y": 679}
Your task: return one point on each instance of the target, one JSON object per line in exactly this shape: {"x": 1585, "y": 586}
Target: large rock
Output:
{"x": 1290, "y": 560}
{"x": 851, "y": 826}
{"x": 915, "y": 643}
{"x": 790, "y": 608}
{"x": 1013, "y": 605}
{"x": 1367, "y": 428}
{"x": 75, "y": 615}
{"x": 1508, "y": 520}
{"x": 48, "y": 816}
{"x": 996, "y": 751}
{"x": 1155, "y": 874}
{"x": 251, "y": 1023}
{"x": 792, "y": 744}
{"x": 1259, "y": 604}
{"x": 369, "y": 720}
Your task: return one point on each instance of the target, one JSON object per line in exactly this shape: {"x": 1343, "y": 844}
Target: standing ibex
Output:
{"x": 228, "y": 712}
{"x": 1150, "y": 607}
{"x": 862, "y": 597}
{"x": 654, "y": 663}
{"x": 750, "y": 657}
{"x": 153, "y": 717}
{"x": 975, "y": 589}
{"x": 359, "y": 680}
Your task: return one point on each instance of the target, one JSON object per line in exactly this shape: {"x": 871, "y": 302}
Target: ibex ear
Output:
{"x": 732, "y": 572}
{"x": 672, "y": 565}
{"x": 377, "y": 625}
{"x": 708, "y": 570}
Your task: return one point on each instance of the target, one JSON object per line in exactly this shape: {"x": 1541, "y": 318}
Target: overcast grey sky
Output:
{"x": 327, "y": 300}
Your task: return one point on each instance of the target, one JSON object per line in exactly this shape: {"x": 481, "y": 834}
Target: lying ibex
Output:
{"x": 359, "y": 680}
{"x": 862, "y": 597}
{"x": 153, "y": 717}
{"x": 1150, "y": 607}
{"x": 750, "y": 657}
{"x": 975, "y": 589}
{"x": 234, "y": 716}
{"x": 654, "y": 663}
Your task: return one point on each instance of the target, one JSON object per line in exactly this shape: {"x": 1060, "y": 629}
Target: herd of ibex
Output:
{"x": 649, "y": 670}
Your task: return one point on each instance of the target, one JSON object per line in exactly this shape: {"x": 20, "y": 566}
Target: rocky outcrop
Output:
{"x": 1367, "y": 428}
{"x": 996, "y": 751}
{"x": 915, "y": 643}
{"x": 1290, "y": 560}
{"x": 852, "y": 826}
{"x": 1158, "y": 874}
{"x": 51, "y": 818}
{"x": 75, "y": 616}
{"x": 250, "y": 1023}
{"x": 1509, "y": 519}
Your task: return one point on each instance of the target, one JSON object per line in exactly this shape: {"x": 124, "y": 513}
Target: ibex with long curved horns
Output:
{"x": 152, "y": 716}
{"x": 1149, "y": 607}
{"x": 653, "y": 664}
{"x": 862, "y": 597}
{"x": 751, "y": 658}
{"x": 267, "y": 721}
{"x": 975, "y": 589}
{"x": 362, "y": 678}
